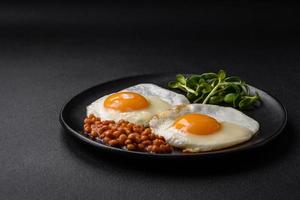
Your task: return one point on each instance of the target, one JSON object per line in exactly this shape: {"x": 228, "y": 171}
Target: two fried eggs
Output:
{"x": 191, "y": 127}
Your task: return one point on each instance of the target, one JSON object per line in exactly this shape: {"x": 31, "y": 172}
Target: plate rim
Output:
{"x": 96, "y": 144}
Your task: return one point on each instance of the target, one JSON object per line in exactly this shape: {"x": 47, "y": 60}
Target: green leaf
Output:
{"x": 207, "y": 89}
{"x": 248, "y": 101}
{"x": 191, "y": 96}
{"x": 222, "y": 74}
{"x": 245, "y": 103}
{"x": 181, "y": 79}
{"x": 236, "y": 100}
{"x": 233, "y": 88}
{"x": 201, "y": 80}
{"x": 195, "y": 77}
{"x": 216, "y": 99}
{"x": 229, "y": 98}
{"x": 174, "y": 84}
{"x": 192, "y": 82}
{"x": 246, "y": 88}
{"x": 207, "y": 76}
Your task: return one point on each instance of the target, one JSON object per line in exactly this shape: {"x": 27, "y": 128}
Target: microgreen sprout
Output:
{"x": 216, "y": 88}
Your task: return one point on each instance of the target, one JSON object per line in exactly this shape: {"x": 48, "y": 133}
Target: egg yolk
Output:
{"x": 197, "y": 124}
{"x": 126, "y": 101}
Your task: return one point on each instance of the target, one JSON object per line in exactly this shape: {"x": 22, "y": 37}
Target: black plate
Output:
{"x": 271, "y": 116}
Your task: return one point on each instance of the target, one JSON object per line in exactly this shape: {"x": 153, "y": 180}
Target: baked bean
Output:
{"x": 131, "y": 136}
{"x": 122, "y": 138}
{"x": 106, "y": 140}
{"x": 130, "y": 147}
{"x": 155, "y": 148}
{"x": 113, "y": 128}
{"x": 121, "y": 129}
{"x": 151, "y": 137}
{"x": 99, "y": 126}
{"x": 94, "y": 133}
{"x": 141, "y": 146}
{"x": 113, "y": 143}
{"x": 121, "y": 121}
{"x": 128, "y": 141}
{"x": 130, "y": 125}
{"x": 87, "y": 129}
{"x": 137, "y": 139}
{"x": 123, "y": 125}
{"x": 105, "y": 122}
{"x": 103, "y": 128}
{"x": 136, "y": 129}
{"x": 99, "y": 130}
{"x": 163, "y": 147}
{"x": 136, "y": 134}
{"x": 161, "y": 141}
{"x": 157, "y": 142}
{"x": 140, "y": 130}
{"x": 162, "y": 138}
{"x": 116, "y": 134}
{"x": 93, "y": 126}
{"x": 149, "y": 148}
{"x": 90, "y": 115}
{"x": 127, "y": 130}
{"x": 93, "y": 119}
{"x": 87, "y": 121}
{"x": 147, "y": 142}
{"x": 98, "y": 122}
{"x": 108, "y": 133}
{"x": 147, "y": 131}
{"x": 144, "y": 137}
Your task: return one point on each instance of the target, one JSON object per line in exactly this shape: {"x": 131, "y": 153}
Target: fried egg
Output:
{"x": 136, "y": 104}
{"x": 200, "y": 127}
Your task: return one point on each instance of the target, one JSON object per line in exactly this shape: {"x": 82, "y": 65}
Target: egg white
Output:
{"x": 236, "y": 128}
{"x": 159, "y": 99}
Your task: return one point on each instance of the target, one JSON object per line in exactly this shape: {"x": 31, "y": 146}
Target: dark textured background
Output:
{"x": 50, "y": 52}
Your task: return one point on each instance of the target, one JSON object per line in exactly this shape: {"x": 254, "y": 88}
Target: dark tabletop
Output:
{"x": 50, "y": 52}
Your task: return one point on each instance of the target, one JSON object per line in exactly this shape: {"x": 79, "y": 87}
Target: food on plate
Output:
{"x": 148, "y": 118}
{"x": 216, "y": 88}
{"x": 125, "y": 135}
{"x": 201, "y": 127}
{"x": 136, "y": 104}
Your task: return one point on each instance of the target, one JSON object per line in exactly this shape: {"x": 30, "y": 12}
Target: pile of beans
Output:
{"x": 125, "y": 135}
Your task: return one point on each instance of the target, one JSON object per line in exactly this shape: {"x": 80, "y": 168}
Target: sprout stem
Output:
{"x": 211, "y": 93}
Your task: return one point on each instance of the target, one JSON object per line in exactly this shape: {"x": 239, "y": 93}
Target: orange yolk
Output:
{"x": 126, "y": 101}
{"x": 197, "y": 124}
